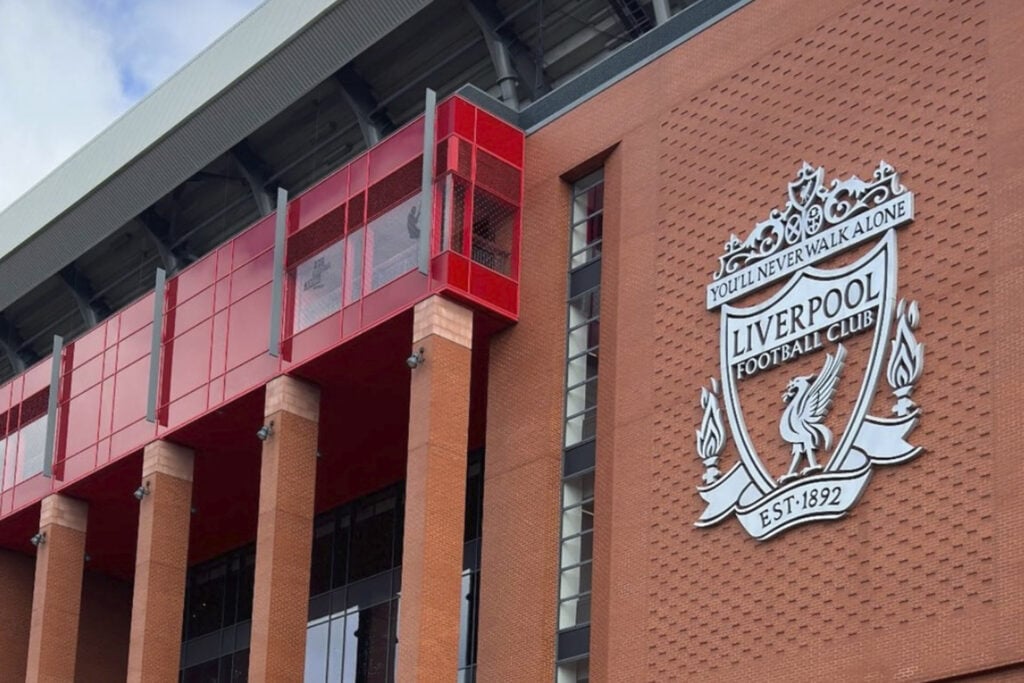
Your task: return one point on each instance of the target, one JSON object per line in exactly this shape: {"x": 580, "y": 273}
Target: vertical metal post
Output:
{"x": 51, "y": 405}
{"x": 154, "y": 348}
{"x": 427, "y": 183}
{"x": 662, "y": 11}
{"x": 277, "y": 289}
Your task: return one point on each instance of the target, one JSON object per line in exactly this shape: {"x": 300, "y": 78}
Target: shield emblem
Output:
{"x": 800, "y": 367}
{"x": 817, "y": 309}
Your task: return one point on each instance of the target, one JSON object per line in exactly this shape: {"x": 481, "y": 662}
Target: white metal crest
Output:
{"x": 815, "y": 310}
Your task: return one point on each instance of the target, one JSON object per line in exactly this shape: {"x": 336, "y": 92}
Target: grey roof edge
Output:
{"x": 83, "y": 218}
{"x": 217, "y": 68}
{"x": 615, "y": 67}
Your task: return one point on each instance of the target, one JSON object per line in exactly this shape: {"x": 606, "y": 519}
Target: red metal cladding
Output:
{"x": 351, "y": 264}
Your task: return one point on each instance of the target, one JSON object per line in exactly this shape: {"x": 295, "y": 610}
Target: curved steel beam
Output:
{"x": 373, "y": 119}
{"x": 91, "y": 308}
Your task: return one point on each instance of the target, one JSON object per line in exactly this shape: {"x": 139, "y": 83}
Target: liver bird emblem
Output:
{"x": 808, "y": 399}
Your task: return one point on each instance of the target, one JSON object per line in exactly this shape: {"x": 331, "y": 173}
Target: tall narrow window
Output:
{"x": 583, "y": 332}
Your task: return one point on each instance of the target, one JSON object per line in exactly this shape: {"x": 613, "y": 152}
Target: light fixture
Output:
{"x": 39, "y": 539}
{"x": 416, "y": 359}
{"x": 141, "y": 492}
{"x": 264, "y": 432}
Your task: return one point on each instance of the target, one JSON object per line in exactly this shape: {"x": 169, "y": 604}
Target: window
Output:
{"x": 583, "y": 315}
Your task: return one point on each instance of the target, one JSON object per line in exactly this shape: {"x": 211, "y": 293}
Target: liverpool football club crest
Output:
{"x": 811, "y": 325}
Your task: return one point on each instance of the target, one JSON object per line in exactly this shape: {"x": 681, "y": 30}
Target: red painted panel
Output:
{"x": 393, "y": 297}
{"x": 219, "y": 344}
{"x": 86, "y": 376}
{"x": 248, "y": 327}
{"x": 89, "y": 345}
{"x": 37, "y": 377}
{"x": 499, "y": 138}
{"x": 489, "y": 286}
{"x": 184, "y": 409}
{"x": 188, "y": 358}
{"x": 106, "y": 407}
{"x": 253, "y": 241}
{"x": 134, "y": 347}
{"x": 83, "y": 413}
{"x": 315, "y": 338}
{"x": 357, "y": 175}
{"x": 256, "y": 372}
{"x": 31, "y": 491}
{"x": 187, "y": 315}
{"x": 79, "y": 465}
{"x": 397, "y": 150}
{"x": 216, "y": 391}
{"x": 319, "y": 200}
{"x": 110, "y": 361}
{"x": 196, "y": 277}
{"x": 224, "y": 260}
{"x": 352, "y": 320}
{"x": 131, "y": 438}
{"x": 131, "y": 386}
{"x": 136, "y": 316}
{"x": 254, "y": 274}
{"x": 465, "y": 116}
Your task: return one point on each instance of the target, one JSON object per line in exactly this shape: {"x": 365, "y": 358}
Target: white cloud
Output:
{"x": 68, "y": 68}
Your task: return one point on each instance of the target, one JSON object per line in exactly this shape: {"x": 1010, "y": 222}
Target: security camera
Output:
{"x": 264, "y": 432}
{"x": 141, "y": 492}
{"x": 38, "y": 539}
{"x": 415, "y": 360}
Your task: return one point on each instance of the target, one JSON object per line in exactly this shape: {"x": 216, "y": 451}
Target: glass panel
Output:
{"x": 578, "y": 489}
{"x": 247, "y": 575}
{"x": 322, "y": 557}
{"x": 573, "y": 612}
{"x": 354, "y": 266}
{"x": 351, "y": 647}
{"x": 336, "y": 650}
{"x": 392, "y": 240}
{"x": 3, "y": 461}
{"x": 580, "y": 428}
{"x": 240, "y": 666}
{"x": 577, "y": 549}
{"x": 318, "y": 286}
{"x": 575, "y": 581}
{"x": 206, "y": 599}
{"x": 316, "y": 652}
{"x": 574, "y": 672}
{"x": 207, "y": 672}
{"x": 373, "y": 647}
{"x": 372, "y": 541}
{"x": 32, "y": 445}
{"x": 341, "y": 541}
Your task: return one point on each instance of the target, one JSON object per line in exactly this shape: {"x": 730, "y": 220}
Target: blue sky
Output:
{"x": 69, "y": 68}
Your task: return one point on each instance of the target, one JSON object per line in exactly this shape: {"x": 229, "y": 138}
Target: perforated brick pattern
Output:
{"x": 899, "y": 81}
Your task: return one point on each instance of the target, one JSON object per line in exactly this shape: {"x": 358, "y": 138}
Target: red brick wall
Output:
{"x": 925, "y": 577}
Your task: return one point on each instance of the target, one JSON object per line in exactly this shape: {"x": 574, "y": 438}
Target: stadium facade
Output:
{"x": 301, "y": 354}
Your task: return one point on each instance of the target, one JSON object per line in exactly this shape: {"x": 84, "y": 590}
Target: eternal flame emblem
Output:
{"x": 821, "y": 426}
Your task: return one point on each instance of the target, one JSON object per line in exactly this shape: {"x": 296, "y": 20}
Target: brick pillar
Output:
{"x": 435, "y": 493}
{"x": 16, "y": 580}
{"x": 284, "y": 537}
{"x": 57, "y": 595}
{"x": 161, "y": 560}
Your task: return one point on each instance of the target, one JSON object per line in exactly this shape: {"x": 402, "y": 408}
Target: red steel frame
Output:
{"x": 217, "y": 311}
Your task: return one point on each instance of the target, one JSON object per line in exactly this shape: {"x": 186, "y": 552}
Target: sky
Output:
{"x": 69, "y": 68}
